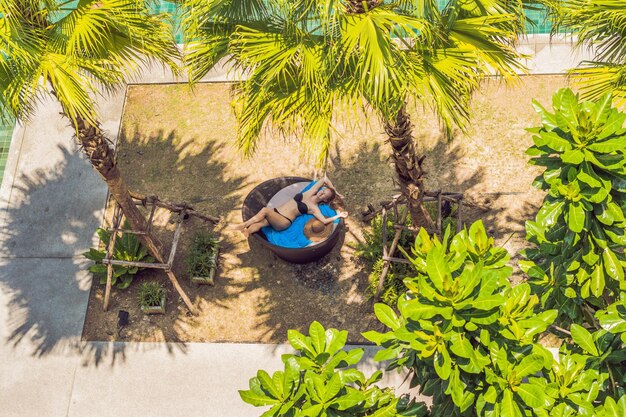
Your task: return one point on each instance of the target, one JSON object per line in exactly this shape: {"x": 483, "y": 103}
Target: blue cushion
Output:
{"x": 293, "y": 236}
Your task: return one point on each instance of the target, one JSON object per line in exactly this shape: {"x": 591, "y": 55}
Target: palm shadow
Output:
{"x": 176, "y": 170}
{"x": 40, "y": 263}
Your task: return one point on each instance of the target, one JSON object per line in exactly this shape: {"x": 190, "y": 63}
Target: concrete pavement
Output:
{"x": 51, "y": 202}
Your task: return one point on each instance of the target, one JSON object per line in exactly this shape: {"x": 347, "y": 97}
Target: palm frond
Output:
{"x": 490, "y": 38}
{"x": 92, "y": 46}
{"x": 601, "y": 23}
{"x": 601, "y": 78}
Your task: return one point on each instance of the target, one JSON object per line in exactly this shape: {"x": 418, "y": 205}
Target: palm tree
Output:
{"x": 600, "y": 24}
{"x": 73, "y": 53}
{"x": 304, "y": 58}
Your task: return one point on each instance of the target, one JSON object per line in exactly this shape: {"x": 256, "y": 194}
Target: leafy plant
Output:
{"x": 319, "y": 381}
{"x": 393, "y": 287}
{"x": 202, "y": 254}
{"x": 589, "y": 377}
{"x": 127, "y": 248}
{"x": 151, "y": 294}
{"x": 371, "y": 250}
{"x": 579, "y": 234}
{"x": 469, "y": 338}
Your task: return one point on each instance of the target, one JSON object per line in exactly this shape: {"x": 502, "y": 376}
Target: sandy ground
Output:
{"x": 179, "y": 144}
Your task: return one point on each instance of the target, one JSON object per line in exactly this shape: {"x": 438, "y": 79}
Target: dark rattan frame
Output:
{"x": 259, "y": 197}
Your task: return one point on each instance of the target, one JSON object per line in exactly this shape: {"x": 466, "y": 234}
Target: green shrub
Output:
{"x": 127, "y": 248}
{"x": 371, "y": 250}
{"x": 201, "y": 256}
{"x": 319, "y": 380}
{"x": 393, "y": 286}
{"x": 577, "y": 262}
{"x": 150, "y": 294}
{"x": 471, "y": 340}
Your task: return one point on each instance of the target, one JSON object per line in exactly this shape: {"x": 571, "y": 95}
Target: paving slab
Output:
{"x": 181, "y": 379}
{"x": 41, "y": 317}
{"x": 56, "y": 198}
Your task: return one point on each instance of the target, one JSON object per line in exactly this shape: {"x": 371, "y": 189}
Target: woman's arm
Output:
{"x": 330, "y": 185}
{"x": 319, "y": 184}
{"x": 319, "y": 216}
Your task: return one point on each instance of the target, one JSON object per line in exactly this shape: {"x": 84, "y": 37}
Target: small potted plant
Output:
{"x": 152, "y": 297}
{"x": 202, "y": 258}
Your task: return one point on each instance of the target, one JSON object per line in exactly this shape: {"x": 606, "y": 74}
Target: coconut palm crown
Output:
{"x": 304, "y": 58}
{"x": 75, "y": 51}
{"x": 600, "y": 24}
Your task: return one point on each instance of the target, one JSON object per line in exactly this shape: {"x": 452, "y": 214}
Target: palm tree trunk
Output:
{"x": 100, "y": 155}
{"x": 408, "y": 166}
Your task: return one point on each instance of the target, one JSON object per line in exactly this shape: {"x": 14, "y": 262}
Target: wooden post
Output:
{"x": 439, "y": 212}
{"x": 110, "y": 247}
{"x": 387, "y": 262}
{"x": 181, "y": 216}
{"x": 387, "y": 255}
{"x": 459, "y": 221}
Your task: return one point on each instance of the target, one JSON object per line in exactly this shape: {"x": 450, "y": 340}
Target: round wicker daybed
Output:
{"x": 259, "y": 197}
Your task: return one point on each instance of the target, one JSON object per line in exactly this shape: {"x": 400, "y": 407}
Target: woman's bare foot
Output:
{"x": 240, "y": 226}
{"x": 246, "y": 232}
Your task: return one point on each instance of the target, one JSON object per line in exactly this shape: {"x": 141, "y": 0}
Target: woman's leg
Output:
{"x": 265, "y": 217}
{"x": 255, "y": 227}
{"x": 271, "y": 218}
{"x": 260, "y": 216}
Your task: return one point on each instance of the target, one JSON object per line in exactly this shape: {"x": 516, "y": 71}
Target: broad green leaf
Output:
{"x": 484, "y": 303}
{"x": 351, "y": 375}
{"x": 386, "y": 411}
{"x": 573, "y": 156}
{"x": 353, "y": 356}
{"x": 351, "y": 399}
{"x": 376, "y": 337}
{"x": 553, "y": 141}
{"x": 615, "y": 122}
{"x": 576, "y": 217}
{"x": 548, "y": 119}
{"x": 333, "y": 387}
{"x": 318, "y": 337}
{"x": 583, "y": 338}
{"x": 611, "y": 265}
{"x": 387, "y": 354}
{"x": 507, "y": 405}
{"x": 257, "y": 400}
{"x": 549, "y": 213}
{"x": 268, "y": 384}
{"x": 416, "y": 310}
{"x": 298, "y": 341}
{"x": 588, "y": 175}
{"x": 529, "y": 365}
{"x": 387, "y": 316}
{"x": 335, "y": 340}
{"x": 313, "y": 411}
{"x": 597, "y": 281}
{"x": 607, "y": 146}
{"x": 443, "y": 364}
{"x": 437, "y": 269}
{"x": 532, "y": 395}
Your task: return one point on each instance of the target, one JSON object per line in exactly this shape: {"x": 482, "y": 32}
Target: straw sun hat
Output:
{"x": 316, "y": 231}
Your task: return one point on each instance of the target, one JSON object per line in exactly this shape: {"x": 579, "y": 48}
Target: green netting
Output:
{"x": 6, "y": 132}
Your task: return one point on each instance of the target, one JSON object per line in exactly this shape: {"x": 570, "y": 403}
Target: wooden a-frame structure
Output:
{"x": 399, "y": 217}
{"x": 184, "y": 211}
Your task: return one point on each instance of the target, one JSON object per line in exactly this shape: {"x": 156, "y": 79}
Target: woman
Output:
{"x": 307, "y": 202}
